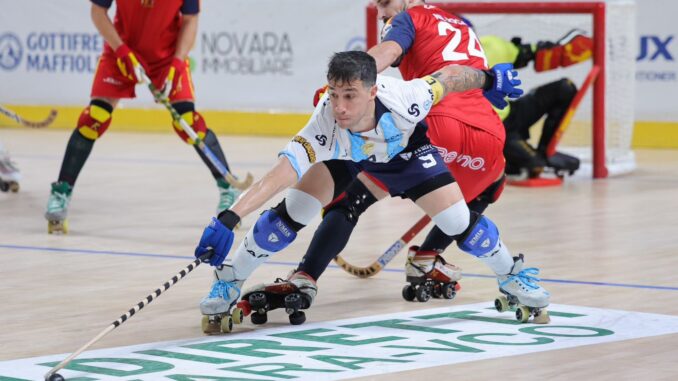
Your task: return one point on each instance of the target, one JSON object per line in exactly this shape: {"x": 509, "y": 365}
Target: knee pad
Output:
{"x": 95, "y": 119}
{"x": 454, "y": 220}
{"x": 301, "y": 206}
{"x": 193, "y": 118}
{"x": 481, "y": 239}
{"x": 353, "y": 202}
{"x": 272, "y": 233}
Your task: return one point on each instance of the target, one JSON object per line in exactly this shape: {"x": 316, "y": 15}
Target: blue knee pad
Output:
{"x": 271, "y": 233}
{"x": 482, "y": 238}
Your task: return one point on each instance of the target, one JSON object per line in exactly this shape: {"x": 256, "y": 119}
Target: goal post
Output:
{"x": 601, "y": 129}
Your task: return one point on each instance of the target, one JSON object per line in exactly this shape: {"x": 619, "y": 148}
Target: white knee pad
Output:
{"x": 301, "y": 206}
{"x": 453, "y": 220}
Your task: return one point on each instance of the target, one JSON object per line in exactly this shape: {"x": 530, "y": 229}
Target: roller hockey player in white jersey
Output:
{"x": 9, "y": 173}
{"x": 364, "y": 123}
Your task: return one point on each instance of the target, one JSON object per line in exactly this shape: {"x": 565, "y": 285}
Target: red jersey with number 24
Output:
{"x": 432, "y": 39}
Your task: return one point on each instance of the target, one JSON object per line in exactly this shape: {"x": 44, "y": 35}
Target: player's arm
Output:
{"x": 103, "y": 23}
{"x": 499, "y": 82}
{"x": 385, "y": 53}
{"x": 278, "y": 178}
{"x": 187, "y": 34}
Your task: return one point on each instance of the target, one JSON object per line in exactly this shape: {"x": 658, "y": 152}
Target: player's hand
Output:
{"x": 218, "y": 238}
{"x": 173, "y": 80}
{"x": 129, "y": 65}
{"x": 504, "y": 84}
{"x": 319, "y": 94}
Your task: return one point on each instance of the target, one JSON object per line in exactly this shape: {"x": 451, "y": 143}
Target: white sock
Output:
{"x": 499, "y": 259}
{"x": 246, "y": 258}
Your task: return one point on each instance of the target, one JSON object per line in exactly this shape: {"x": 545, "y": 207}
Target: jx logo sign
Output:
{"x": 653, "y": 48}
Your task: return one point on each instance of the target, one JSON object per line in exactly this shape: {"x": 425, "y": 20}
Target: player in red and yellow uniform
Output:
{"x": 150, "y": 36}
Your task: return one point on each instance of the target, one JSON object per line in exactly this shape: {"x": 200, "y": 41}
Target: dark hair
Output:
{"x": 346, "y": 67}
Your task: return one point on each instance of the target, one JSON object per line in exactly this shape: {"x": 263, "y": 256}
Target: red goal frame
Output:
{"x": 595, "y": 8}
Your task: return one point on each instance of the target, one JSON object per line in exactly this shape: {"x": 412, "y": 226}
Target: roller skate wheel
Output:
{"x": 210, "y": 326}
{"x": 449, "y": 291}
{"x": 257, "y": 300}
{"x": 408, "y": 293}
{"x": 237, "y": 315}
{"x": 259, "y": 318}
{"x": 56, "y": 377}
{"x": 4, "y": 186}
{"x": 226, "y": 324}
{"x": 501, "y": 304}
{"x": 422, "y": 294}
{"x": 57, "y": 227}
{"x": 14, "y": 187}
{"x": 244, "y": 305}
{"x": 522, "y": 314}
{"x": 298, "y": 317}
{"x": 293, "y": 302}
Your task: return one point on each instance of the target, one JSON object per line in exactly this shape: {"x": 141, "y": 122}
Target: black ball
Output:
{"x": 56, "y": 377}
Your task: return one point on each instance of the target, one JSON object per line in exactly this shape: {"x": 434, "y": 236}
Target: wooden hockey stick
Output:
{"x": 27, "y": 123}
{"x": 387, "y": 256}
{"x": 567, "y": 118}
{"x": 52, "y": 375}
{"x": 160, "y": 98}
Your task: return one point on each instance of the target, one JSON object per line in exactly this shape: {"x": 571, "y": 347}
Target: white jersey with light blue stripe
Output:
{"x": 400, "y": 107}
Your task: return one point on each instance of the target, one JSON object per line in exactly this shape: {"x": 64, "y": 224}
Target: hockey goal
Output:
{"x": 601, "y": 129}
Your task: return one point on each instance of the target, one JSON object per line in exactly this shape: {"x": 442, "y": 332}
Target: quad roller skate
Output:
{"x": 521, "y": 293}
{"x": 57, "y": 207}
{"x": 429, "y": 275}
{"x": 9, "y": 174}
{"x": 218, "y": 307}
{"x": 294, "y": 294}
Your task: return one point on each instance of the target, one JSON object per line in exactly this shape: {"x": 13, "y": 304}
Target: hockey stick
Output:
{"x": 27, "y": 123}
{"x": 389, "y": 254}
{"x": 567, "y": 118}
{"x": 52, "y": 375}
{"x": 160, "y": 98}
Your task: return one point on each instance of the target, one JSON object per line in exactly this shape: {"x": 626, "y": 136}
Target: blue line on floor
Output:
{"x": 283, "y": 263}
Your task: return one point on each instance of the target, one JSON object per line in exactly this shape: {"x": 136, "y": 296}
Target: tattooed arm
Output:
{"x": 456, "y": 79}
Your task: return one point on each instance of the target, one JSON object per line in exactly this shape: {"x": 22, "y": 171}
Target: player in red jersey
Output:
{"x": 153, "y": 36}
{"x": 420, "y": 39}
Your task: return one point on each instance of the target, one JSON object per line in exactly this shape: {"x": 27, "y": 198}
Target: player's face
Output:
{"x": 389, "y": 8}
{"x": 350, "y": 102}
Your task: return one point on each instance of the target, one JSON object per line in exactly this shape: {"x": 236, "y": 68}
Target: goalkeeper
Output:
{"x": 551, "y": 100}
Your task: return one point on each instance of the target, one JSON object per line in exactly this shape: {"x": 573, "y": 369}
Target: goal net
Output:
{"x": 601, "y": 129}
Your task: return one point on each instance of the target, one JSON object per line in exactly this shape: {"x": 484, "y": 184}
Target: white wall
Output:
{"x": 260, "y": 54}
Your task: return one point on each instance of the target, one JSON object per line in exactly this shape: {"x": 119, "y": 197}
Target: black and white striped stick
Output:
{"x": 146, "y": 301}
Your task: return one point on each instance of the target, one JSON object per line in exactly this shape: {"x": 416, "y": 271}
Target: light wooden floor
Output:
{"x": 150, "y": 194}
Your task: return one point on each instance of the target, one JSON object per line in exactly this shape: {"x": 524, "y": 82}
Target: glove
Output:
{"x": 501, "y": 83}
{"x": 319, "y": 94}
{"x": 218, "y": 238}
{"x": 129, "y": 65}
{"x": 173, "y": 79}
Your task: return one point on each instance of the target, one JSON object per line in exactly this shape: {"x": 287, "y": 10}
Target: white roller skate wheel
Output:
{"x": 522, "y": 314}
{"x": 501, "y": 304}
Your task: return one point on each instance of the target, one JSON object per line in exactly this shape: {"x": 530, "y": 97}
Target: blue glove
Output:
{"x": 218, "y": 238}
{"x": 504, "y": 84}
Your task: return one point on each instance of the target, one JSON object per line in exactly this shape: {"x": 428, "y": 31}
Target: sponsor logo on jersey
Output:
{"x": 414, "y": 110}
{"x": 310, "y": 153}
{"x": 465, "y": 161}
{"x": 406, "y": 155}
{"x": 322, "y": 139}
